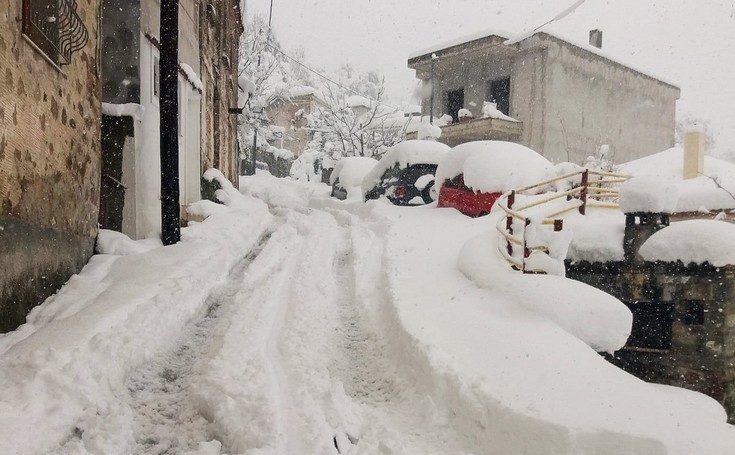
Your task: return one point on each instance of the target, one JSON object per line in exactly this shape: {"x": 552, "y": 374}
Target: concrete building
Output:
{"x": 207, "y": 132}
{"x": 569, "y": 99}
{"x": 49, "y": 148}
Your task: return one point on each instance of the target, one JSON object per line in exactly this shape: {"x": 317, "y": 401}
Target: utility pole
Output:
{"x": 169, "y": 106}
{"x": 434, "y": 58}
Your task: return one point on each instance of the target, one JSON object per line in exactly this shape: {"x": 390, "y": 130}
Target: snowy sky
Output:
{"x": 688, "y": 43}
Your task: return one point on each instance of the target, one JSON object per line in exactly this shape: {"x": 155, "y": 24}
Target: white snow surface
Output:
{"x": 641, "y": 194}
{"x": 490, "y": 110}
{"x": 309, "y": 326}
{"x": 464, "y": 113}
{"x": 405, "y": 154}
{"x": 696, "y": 193}
{"x": 134, "y": 110}
{"x": 351, "y": 171}
{"x": 192, "y": 76}
{"x": 113, "y": 242}
{"x": 494, "y": 166}
{"x": 428, "y": 131}
{"x": 693, "y": 241}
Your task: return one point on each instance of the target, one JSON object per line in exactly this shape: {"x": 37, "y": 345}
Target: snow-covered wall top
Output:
{"x": 701, "y": 193}
{"x": 641, "y": 194}
{"x": 405, "y": 154}
{"x": 693, "y": 241}
{"x": 494, "y": 166}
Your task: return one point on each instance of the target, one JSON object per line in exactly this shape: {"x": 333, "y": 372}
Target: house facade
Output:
{"x": 49, "y": 148}
{"x": 207, "y": 132}
{"x": 569, "y": 99}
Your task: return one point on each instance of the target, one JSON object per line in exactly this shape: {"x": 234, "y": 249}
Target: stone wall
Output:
{"x": 49, "y": 163}
{"x": 220, "y": 30}
{"x": 697, "y": 307}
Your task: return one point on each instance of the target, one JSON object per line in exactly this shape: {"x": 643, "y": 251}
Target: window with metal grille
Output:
{"x": 55, "y": 28}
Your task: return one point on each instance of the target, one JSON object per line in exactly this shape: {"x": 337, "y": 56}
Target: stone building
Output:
{"x": 208, "y": 37}
{"x": 49, "y": 148}
{"x": 569, "y": 99}
{"x": 290, "y": 113}
{"x": 220, "y": 27}
{"x": 683, "y": 311}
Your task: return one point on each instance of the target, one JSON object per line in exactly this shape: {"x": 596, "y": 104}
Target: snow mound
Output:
{"x": 192, "y": 76}
{"x": 227, "y": 194}
{"x": 490, "y": 110}
{"x": 648, "y": 195}
{"x": 494, "y": 166}
{"x": 351, "y": 170}
{"x": 595, "y": 317}
{"x": 429, "y": 131}
{"x": 693, "y": 241}
{"x": 405, "y": 154}
{"x": 117, "y": 243}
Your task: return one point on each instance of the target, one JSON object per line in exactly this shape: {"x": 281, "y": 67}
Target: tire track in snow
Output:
{"x": 396, "y": 419}
{"x": 165, "y": 417}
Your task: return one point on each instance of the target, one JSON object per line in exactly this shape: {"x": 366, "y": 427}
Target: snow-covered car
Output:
{"x": 405, "y": 174}
{"x": 346, "y": 178}
{"x": 474, "y": 175}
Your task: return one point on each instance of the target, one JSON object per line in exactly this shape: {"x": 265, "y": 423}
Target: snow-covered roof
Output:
{"x": 507, "y": 36}
{"x": 693, "y": 241}
{"x": 351, "y": 170}
{"x": 494, "y": 166}
{"x": 504, "y": 34}
{"x": 357, "y": 101}
{"x": 405, "y": 154}
{"x": 697, "y": 194}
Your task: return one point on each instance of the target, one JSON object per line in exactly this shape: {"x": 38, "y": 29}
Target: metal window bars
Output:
{"x": 55, "y": 27}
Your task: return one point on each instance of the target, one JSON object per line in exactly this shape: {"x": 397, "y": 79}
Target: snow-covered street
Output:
{"x": 292, "y": 323}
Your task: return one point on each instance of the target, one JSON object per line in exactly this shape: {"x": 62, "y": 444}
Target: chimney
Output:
{"x": 596, "y": 38}
{"x": 694, "y": 143}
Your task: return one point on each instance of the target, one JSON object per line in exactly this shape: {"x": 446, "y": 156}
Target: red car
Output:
{"x": 454, "y": 193}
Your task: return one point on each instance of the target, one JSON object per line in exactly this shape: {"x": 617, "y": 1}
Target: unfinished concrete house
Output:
{"x": 49, "y": 148}
{"x": 561, "y": 99}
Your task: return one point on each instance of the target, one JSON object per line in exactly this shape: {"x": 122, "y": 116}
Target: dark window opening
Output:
{"x": 499, "y": 93}
{"x": 455, "y": 102}
{"x": 693, "y": 313}
{"x": 652, "y": 322}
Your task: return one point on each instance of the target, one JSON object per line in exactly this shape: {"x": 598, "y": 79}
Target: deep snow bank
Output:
{"x": 505, "y": 370}
{"x": 64, "y": 370}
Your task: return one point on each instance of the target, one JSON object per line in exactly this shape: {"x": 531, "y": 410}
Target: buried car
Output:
{"x": 474, "y": 175}
{"x": 405, "y": 174}
{"x": 346, "y": 179}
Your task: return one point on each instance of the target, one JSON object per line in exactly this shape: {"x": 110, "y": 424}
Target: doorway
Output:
{"x": 499, "y": 92}
{"x": 455, "y": 102}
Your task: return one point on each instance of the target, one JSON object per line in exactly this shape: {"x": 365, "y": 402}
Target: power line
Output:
{"x": 327, "y": 78}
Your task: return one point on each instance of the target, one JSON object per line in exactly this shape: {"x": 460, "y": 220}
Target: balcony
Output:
{"x": 478, "y": 130}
